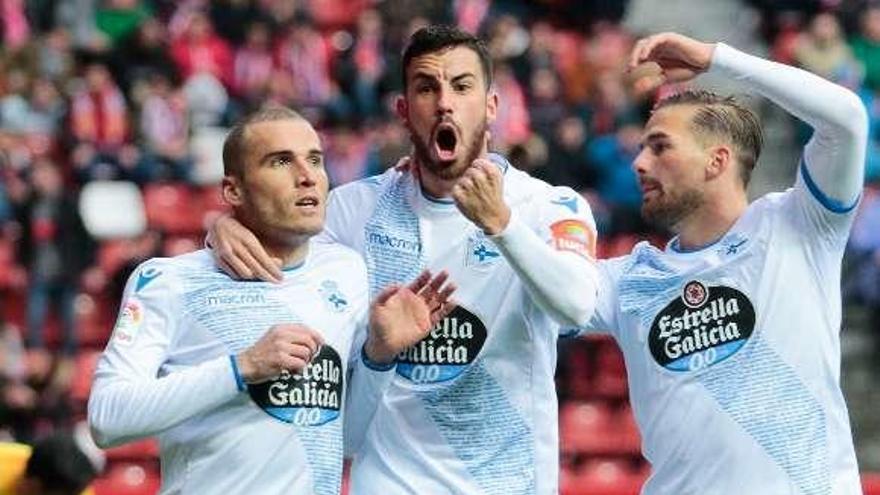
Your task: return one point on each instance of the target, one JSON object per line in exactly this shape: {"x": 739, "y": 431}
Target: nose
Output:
{"x": 641, "y": 162}
{"x": 305, "y": 174}
{"x": 444, "y": 101}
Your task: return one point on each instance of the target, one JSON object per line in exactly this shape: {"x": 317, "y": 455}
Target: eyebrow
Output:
{"x": 654, "y": 136}
{"x": 273, "y": 154}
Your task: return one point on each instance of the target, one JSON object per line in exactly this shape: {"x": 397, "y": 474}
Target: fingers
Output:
{"x": 433, "y": 287}
{"x": 420, "y": 281}
{"x": 386, "y": 293}
{"x": 442, "y": 312}
{"x": 445, "y": 294}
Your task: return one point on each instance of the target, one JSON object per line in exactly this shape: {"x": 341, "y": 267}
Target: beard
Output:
{"x": 444, "y": 170}
{"x": 669, "y": 209}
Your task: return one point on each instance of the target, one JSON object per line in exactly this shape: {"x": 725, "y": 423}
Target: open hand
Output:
{"x": 400, "y": 316}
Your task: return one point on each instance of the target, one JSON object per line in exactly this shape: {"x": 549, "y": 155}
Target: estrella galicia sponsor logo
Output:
{"x": 447, "y": 351}
{"x": 379, "y": 237}
{"x": 703, "y": 326}
{"x": 311, "y": 397}
{"x": 334, "y": 299}
{"x": 480, "y": 251}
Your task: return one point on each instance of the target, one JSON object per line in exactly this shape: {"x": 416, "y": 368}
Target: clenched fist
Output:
{"x": 284, "y": 347}
{"x": 479, "y": 196}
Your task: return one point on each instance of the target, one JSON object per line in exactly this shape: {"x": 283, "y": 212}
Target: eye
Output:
{"x": 424, "y": 88}
{"x": 659, "y": 147}
{"x": 316, "y": 160}
{"x": 462, "y": 87}
{"x": 281, "y": 161}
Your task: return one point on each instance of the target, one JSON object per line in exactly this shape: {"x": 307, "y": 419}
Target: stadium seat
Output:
{"x": 602, "y": 477}
{"x": 587, "y": 428}
{"x": 112, "y": 209}
{"x": 128, "y": 479}
{"x": 92, "y": 326}
{"x": 145, "y": 449}
{"x": 112, "y": 254}
{"x": 83, "y": 372}
{"x": 207, "y": 148}
{"x": 610, "y": 378}
{"x": 871, "y": 483}
{"x": 173, "y": 209}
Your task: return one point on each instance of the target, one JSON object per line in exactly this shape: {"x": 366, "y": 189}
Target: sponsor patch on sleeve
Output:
{"x": 131, "y": 318}
{"x": 575, "y": 236}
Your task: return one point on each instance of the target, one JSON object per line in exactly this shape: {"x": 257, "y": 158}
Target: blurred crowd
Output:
{"x": 140, "y": 91}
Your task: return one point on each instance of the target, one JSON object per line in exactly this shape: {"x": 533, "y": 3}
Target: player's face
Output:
{"x": 447, "y": 110}
{"x": 283, "y": 191}
{"x": 670, "y": 167}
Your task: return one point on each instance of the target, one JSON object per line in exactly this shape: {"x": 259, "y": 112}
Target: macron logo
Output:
{"x": 570, "y": 203}
{"x": 394, "y": 242}
{"x": 145, "y": 277}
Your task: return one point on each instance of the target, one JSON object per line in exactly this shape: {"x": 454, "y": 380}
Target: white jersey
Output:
{"x": 167, "y": 371}
{"x": 733, "y": 351}
{"x": 472, "y": 408}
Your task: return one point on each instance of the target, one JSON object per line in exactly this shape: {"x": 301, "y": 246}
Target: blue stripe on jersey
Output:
{"x": 238, "y": 314}
{"x": 647, "y": 284}
{"x": 830, "y": 204}
{"x": 485, "y": 431}
{"x": 765, "y": 396}
{"x": 323, "y": 446}
{"x": 393, "y": 243}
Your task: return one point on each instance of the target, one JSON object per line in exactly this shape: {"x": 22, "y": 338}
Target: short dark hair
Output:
{"x": 723, "y": 117}
{"x": 235, "y": 142}
{"x": 438, "y": 37}
{"x": 60, "y": 465}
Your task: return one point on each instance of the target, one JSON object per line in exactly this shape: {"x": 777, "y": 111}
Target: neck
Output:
{"x": 435, "y": 186}
{"x": 710, "y": 222}
{"x": 290, "y": 253}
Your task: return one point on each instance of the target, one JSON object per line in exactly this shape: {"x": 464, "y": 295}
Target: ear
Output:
{"x": 491, "y": 106}
{"x": 720, "y": 161}
{"x": 402, "y": 108}
{"x": 232, "y": 191}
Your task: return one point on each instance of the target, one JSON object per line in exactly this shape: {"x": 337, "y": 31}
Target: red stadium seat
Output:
{"x": 871, "y": 483}
{"x": 84, "y": 369}
{"x": 145, "y": 449}
{"x": 610, "y": 372}
{"x": 173, "y": 208}
{"x": 586, "y": 428}
{"x": 603, "y": 477}
{"x": 128, "y": 479}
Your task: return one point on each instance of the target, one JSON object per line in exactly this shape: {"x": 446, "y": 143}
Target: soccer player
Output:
{"x": 730, "y": 333}
{"x": 472, "y": 408}
{"x": 244, "y": 382}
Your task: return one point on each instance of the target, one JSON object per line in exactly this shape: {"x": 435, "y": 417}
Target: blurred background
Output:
{"x": 113, "y": 113}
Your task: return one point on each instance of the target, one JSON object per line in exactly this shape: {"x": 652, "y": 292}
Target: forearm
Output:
{"x": 836, "y": 152}
{"x": 122, "y": 408}
{"x": 562, "y": 283}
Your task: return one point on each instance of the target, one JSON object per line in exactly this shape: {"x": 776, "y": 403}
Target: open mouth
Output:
{"x": 446, "y": 142}
{"x": 308, "y": 202}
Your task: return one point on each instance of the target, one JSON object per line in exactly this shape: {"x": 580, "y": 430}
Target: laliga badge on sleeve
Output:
{"x": 575, "y": 236}
{"x": 131, "y": 318}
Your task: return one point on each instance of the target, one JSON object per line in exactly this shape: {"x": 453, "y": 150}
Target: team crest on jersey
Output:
{"x": 447, "y": 351}
{"x": 480, "y": 251}
{"x": 334, "y": 299}
{"x": 310, "y": 397}
{"x": 703, "y": 326}
{"x": 129, "y": 322}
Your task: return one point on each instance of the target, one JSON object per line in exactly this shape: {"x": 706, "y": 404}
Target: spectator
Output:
{"x": 56, "y": 250}
{"x": 164, "y": 126}
{"x": 568, "y": 164}
{"x": 866, "y": 46}
{"x": 612, "y": 155}
{"x": 512, "y": 124}
{"x": 253, "y": 65}
{"x": 199, "y": 51}
{"x": 118, "y": 19}
{"x": 99, "y": 123}
{"x": 303, "y": 56}
{"x": 143, "y": 53}
{"x": 61, "y": 463}
{"x": 821, "y": 49}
